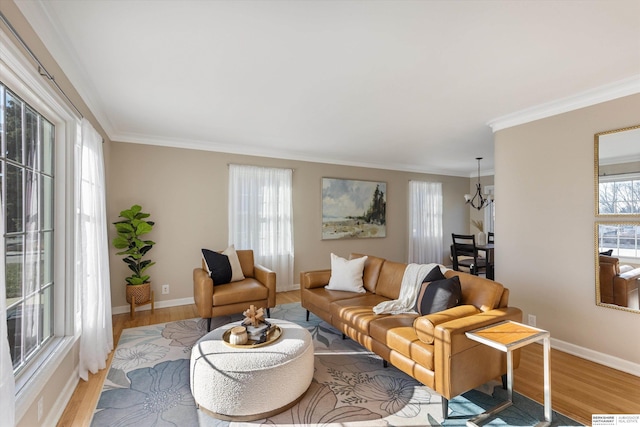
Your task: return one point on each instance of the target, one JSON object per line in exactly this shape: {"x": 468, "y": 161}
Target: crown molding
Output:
{"x": 608, "y": 92}
{"x": 277, "y": 154}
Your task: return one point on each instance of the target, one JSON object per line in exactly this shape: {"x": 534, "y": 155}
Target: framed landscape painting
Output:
{"x": 353, "y": 209}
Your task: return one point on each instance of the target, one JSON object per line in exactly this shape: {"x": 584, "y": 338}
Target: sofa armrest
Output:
{"x": 203, "y": 292}
{"x": 425, "y": 325}
{"x": 461, "y": 363}
{"x": 314, "y": 279}
{"x": 450, "y": 336}
{"x": 267, "y": 278}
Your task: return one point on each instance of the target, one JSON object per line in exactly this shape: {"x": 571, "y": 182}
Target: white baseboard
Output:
{"x": 597, "y": 357}
{"x": 158, "y": 304}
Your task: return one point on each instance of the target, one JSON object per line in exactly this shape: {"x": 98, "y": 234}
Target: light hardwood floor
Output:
{"x": 579, "y": 387}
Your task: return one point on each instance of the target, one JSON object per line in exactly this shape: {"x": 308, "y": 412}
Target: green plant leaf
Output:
{"x": 142, "y": 269}
{"x": 143, "y": 228}
{"x": 135, "y": 280}
{"x": 120, "y": 243}
{"x": 123, "y": 227}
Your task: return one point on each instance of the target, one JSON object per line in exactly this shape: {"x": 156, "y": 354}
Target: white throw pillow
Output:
{"x": 346, "y": 275}
{"x": 236, "y": 268}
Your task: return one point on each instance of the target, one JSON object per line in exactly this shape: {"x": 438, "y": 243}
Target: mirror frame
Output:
{"x": 596, "y": 145}
{"x": 597, "y": 264}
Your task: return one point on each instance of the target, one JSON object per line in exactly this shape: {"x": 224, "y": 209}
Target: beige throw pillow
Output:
{"x": 346, "y": 275}
{"x": 236, "y": 268}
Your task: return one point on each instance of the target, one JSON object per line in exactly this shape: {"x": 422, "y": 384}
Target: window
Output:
{"x": 619, "y": 194}
{"x": 624, "y": 239}
{"x": 27, "y": 165}
{"x": 260, "y": 217}
{"x": 425, "y": 222}
{"x": 489, "y": 211}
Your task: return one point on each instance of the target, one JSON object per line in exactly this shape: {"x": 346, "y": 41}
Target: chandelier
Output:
{"x": 478, "y": 200}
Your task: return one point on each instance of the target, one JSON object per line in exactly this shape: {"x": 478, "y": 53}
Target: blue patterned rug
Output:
{"x": 148, "y": 385}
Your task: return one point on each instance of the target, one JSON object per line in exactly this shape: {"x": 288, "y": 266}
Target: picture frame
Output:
{"x": 353, "y": 209}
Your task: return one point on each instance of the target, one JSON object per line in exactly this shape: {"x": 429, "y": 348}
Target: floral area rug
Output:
{"x": 148, "y": 385}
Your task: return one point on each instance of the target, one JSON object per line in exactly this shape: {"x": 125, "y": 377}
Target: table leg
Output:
{"x": 473, "y": 422}
{"x": 547, "y": 379}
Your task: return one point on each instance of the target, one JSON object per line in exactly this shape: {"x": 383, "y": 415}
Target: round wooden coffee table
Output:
{"x": 244, "y": 384}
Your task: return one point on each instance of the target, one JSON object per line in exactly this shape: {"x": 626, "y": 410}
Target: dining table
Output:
{"x": 488, "y": 250}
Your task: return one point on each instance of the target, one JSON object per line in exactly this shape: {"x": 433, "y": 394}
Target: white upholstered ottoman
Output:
{"x": 244, "y": 384}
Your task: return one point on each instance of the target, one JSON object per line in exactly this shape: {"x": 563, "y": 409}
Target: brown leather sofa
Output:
{"x": 433, "y": 348}
{"x": 257, "y": 288}
{"x": 615, "y": 285}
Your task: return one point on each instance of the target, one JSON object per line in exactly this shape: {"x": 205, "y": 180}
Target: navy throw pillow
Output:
{"x": 433, "y": 275}
{"x": 218, "y": 266}
{"x": 438, "y": 295}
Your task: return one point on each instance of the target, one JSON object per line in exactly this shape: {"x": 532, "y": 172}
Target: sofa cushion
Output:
{"x": 397, "y": 333}
{"x": 322, "y": 298}
{"x": 356, "y": 312}
{"x": 239, "y": 292}
{"x": 426, "y": 325}
{"x": 438, "y": 295}
{"x": 236, "y": 268}
{"x": 371, "y": 272}
{"x": 390, "y": 279}
{"x": 346, "y": 275}
{"x": 484, "y": 294}
{"x": 218, "y": 266}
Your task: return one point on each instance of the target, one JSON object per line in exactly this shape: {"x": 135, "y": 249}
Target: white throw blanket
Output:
{"x": 411, "y": 281}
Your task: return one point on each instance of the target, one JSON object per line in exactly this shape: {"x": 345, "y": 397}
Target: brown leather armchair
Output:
{"x": 615, "y": 285}
{"x": 257, "y": 288}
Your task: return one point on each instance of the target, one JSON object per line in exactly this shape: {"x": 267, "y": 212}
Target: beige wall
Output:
{"x": 186, "y": 193}
{"x": 544, "y": 180}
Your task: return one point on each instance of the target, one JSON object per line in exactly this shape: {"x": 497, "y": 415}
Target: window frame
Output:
{"x": 629, "y": 178}
{"x": 23, "y": 79}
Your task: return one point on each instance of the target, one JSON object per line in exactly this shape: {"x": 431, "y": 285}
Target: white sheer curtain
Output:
{"x": 261, "y": 217}
{"x": 489, "y": 211}
{"x": 7, "y": 383}
{"x": 92, "y": 259}
{"x": 425, "y": 222}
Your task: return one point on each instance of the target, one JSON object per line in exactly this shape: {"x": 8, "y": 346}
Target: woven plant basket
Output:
{"x": 141, "y": 293}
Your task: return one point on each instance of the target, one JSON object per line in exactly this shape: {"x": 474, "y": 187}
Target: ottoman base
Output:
{"x": 251, "y": 417}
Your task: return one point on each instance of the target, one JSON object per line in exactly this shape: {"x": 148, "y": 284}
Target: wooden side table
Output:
{"x": 508, "y": 336}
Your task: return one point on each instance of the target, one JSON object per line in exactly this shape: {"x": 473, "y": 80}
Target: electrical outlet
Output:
{"x": 40, "y": 407}
{"x": 532, "y": 320}
{"x": 165, "y": 289}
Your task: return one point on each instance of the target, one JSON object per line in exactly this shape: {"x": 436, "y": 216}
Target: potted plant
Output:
{"x": 130, "y": 229}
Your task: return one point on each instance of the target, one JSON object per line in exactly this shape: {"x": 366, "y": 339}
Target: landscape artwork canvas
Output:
{"x": 353, "y": 209}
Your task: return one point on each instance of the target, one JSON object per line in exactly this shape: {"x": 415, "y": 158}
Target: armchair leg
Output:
{"x": 268, "y": 312}
{"x": 504, "y": 381}
{"x": 209, "y": 324}
{"x": 385, "y": 364}
{"x": 307, "y": 315}
{"x": 445, "y": 408}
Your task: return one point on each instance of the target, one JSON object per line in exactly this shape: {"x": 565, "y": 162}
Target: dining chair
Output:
{"x": 465, "y": 253}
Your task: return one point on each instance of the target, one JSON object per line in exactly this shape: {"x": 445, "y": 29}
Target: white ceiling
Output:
{"x": 406, "y": 85}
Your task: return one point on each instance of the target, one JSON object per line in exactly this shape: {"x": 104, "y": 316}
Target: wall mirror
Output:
{"x": 617, "y": 171}
{"x": 617, "y": 247}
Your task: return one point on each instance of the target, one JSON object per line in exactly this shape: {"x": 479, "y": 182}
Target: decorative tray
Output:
{"x": 272, "y": 335}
